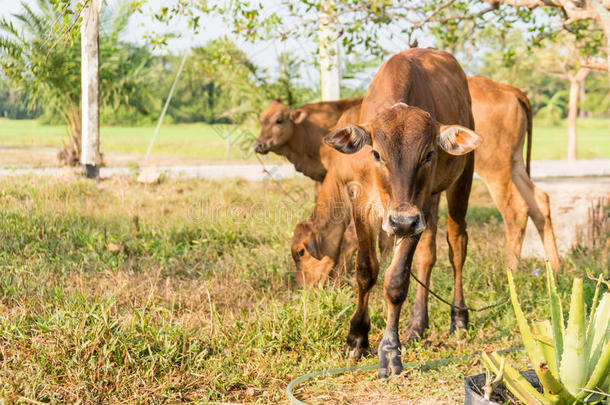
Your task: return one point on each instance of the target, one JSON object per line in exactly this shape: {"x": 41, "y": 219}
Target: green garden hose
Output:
{"x": 427, "y": 365}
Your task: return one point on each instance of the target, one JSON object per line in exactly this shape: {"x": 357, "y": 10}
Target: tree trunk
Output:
{"x": 330, "y": 64}
{"x": 572, "y": 115}
{"x": 70, "y": 154}
{"x": 581, "y": 98}
{"x": 575, "y": 83}
{"x": 90, "y": 137}
{"x": 604, "y": 21}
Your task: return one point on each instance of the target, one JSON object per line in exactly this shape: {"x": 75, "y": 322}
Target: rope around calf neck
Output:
{"x": 428, "y": 365}
{"x": 441, "y": 299}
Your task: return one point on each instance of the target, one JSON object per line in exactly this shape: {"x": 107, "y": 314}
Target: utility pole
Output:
{"x": 90, "y": 138}
{"x": 330, "y": 63}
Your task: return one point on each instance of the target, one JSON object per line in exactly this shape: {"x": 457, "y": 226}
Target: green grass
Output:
{"x": 207, "y": 143}
{"x": 551, "y": 143}
{"x": 117, "y": 292}
{"x": 202, "y": 141}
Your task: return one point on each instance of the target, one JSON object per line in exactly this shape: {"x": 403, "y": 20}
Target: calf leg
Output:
{"x": 540, "y": 212}
{"x": 426, "y": 257}
{"x": 367, "y": 269}
{"x": 457, "y": 237}
{"x": 395, "y": 287}
{"x": 349, "y": 244}
{"x": 513, "y": 208}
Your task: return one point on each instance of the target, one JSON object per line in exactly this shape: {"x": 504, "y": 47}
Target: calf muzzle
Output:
{"x": 261, "y": 147}
{"x": 400, "y": 225}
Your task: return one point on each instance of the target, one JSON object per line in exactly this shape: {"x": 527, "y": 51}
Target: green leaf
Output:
{"x": 600, "y": 376}
{"x": 594, "y": 303}
{"x": 543, "y": 336}
{"x": 556, "y": 315}
{"x": 573, "y": 367}
{"x": 599, "y": 332}
{"x": 514, "y": 381}
{"x": 554, "y": 391}
{"x": 531, "y": 347}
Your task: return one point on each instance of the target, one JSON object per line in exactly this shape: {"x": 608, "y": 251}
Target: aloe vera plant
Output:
{"x": 572, "y": 362}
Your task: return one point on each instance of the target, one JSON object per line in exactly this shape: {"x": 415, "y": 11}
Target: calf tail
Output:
{"x": 525, "y": 103}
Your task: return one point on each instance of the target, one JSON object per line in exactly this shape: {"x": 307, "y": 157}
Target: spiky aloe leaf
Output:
{"x": 531, "y": 347}
{"x": 573, "y": 366}
{"x": 594, "y": 305}
{"x": 543, "y": 335}
{"x": 514, "y": 381}
{"x": 599, "y": 331}
{"x": 554, "y": 391}
{"x": 599, "y": 377}
{"x": 556, "y": 314}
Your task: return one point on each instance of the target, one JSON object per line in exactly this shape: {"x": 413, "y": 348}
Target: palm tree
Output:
{"x": 45, "y": 62}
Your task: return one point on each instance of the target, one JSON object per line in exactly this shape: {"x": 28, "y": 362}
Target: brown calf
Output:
{"x": 503, "y": 125}
{"x": 297, "y": 134}
{"x": 403, "y": 159}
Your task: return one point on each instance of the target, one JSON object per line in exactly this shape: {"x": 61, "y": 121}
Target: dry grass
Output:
{"x": 195, "y": 300}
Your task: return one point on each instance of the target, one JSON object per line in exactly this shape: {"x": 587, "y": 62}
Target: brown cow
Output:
{"x": 503, "y": 124}
{"x": 403, "y": 159}
{"x": 502, "y": 115}
{"x": 297, "y": 134}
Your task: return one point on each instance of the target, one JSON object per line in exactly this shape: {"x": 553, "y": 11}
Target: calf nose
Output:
{"x": 404, "y": 225}
{"x": 258, "y": 147}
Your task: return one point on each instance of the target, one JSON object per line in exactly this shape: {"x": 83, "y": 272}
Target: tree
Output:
{"x": 540, "y": 72}
{"x": 357, "y": 25}
{"x": 566, "y": 64}
{"x": 43, "y": 61}
{"x": 577, "y": 17}
{"x": 15, "y": 104}
{"x": 218, "y": 84}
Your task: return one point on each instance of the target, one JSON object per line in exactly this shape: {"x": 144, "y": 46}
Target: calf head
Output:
{"x": 406, "y": 142}
{"x": 312, "y": 268}
{"x": 277, "y": 126}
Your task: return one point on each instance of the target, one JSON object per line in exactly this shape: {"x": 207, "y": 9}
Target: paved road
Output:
{"x": 540, "y": 170}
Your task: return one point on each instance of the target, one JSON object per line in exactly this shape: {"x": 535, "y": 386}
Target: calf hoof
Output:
{"x": 358, "y": 346}
{"x": 389, "y": 357}
{"x": 415, "y": 330}
{"x": 459, "y": 320}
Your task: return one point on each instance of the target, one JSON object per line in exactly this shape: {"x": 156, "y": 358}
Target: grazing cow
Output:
{"x": 297, "y": 134}
{"x": 402, "y": 158}
{"x": 502, "y": 116}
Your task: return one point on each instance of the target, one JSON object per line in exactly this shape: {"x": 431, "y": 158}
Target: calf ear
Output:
{"x": 349, "y": 139}
{"x": 313, "y": 246}
{"x": 297, "y": 116}
{"x": 457, "y": 140}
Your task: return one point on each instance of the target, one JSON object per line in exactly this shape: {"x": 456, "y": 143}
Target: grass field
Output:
{"x": 117, "y": 292}
{"x": 207, "y": 143}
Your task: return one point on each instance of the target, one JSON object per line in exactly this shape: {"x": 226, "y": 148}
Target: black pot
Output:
{"x": 475, "y": 383}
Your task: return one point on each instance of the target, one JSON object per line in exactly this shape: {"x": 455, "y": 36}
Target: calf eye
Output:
{"x": 376, "y": 154}
{"x": 429, "y": 156}
{"x": 301, "y": 253}
{"x": 279, "y": 121}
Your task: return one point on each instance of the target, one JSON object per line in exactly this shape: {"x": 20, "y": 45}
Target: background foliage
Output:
{"x": 220, "y": 84}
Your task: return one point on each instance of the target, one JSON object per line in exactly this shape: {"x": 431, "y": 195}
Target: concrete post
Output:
{"x": 330, "y": 63}
{"x": 90, "y": 140}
